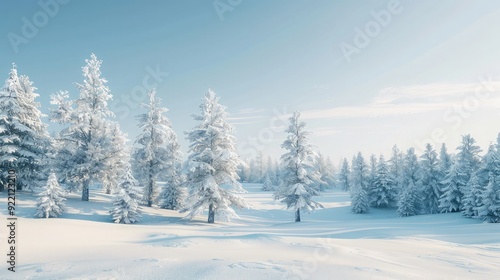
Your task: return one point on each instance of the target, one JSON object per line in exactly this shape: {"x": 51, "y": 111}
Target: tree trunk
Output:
{"x": 85, "y": 190}
{"x": 211, "y": 214}
{"x": 297, "y": 215}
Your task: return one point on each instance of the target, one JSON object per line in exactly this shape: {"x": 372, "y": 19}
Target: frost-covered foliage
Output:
{"x": 268, "y": 185}
{"x": 126, "y": 207}
{"x": 344, "y": 176}
{"x": 396, "y": 163}
{"x": 90, "y": 143}
{"x": 430, "y": 181}
{"x": 489, "y": 211}
{"x": 157, "y": 151}
{"x": 359, "y": 190}
{"x": 382, "y": 194}
{"x": 325, "y": 169}
{"x": 409, "y": 200}
{"x": 51, "y": 201}
{"x": 455, "y": 182}
{"x": 24, "y": 141}
{"x": 212, "y": 164}
{"x": 299, "y": 179}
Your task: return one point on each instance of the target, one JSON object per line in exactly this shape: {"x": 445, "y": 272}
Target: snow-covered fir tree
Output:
{"x": 51, "y": 201}
{"x": 268, "y": 185}
{"x": 344, "y": 176}
{"x": 156, "y": 151}
{"x": 174, "y": 193}
{"x": 408, "y": 199}
{"x": 489, "y": 211}
{"x": 455, "y": 182}
{"x": 116, "y": 164}
{"x": 24, "y": 141}
{"x": 382, "y": 194}
{"x": 257, "y": 169}
{"x": 372, "y": 175}
{"x": 299, "y": 180}
{"x": 430, "y": 176}
{"x": 126, "y": 208}
{"x": 396, "y": 163}
{"x": 213, "y": 162}
{"x": 359, "y": 189}
{"x": 86, "y": 146}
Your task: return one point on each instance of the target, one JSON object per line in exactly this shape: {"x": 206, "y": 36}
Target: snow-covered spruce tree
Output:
{"x": 396, "y": 163}
{"x": 409, "y": 200}
{"x": 372, "y": 175}
{"x": 455, "y": 182}
{"x": 267, "y": 186}
{"x": 382, "y": 193}
{"x": 126, "y": 208}
{"x": 86, "y": 146}
{"x": 299, "y": 180}
{"x": 489, "y": 211}
{"x": 360, "y": 200}
{"x": 116, "y": 164}
{"x": 174, "y": 193}
{"x": 51, "y": 201}
{"x": 344, "y": 176}
{"x": 212, "y": 164}
{"x": 429, "y": 175}
{"x": 156, "y": 151}
{"x": 24, "y": 140}
{"x": 489, "y": 168}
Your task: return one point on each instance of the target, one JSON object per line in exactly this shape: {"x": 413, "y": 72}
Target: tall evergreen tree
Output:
{"x": 298, "y": 182}
{"x": 213, "y": 162}
{"x": 382, "y": 192}
{"x": 489, "y": 211}
{"x": 409, "y": 200}
{"x": 126, "y": 200}
{"x": 24, "y": 141}
{"x": 456, "y": 180}
{"x": 372, "y": 175}
{"x": 344, "y": 176}
{"x": 86, "y": 146}
{"x": 431, "y": 191}
{"x": 396, "y": 163}
{"x": 156, "y": 151}
{"x": 359, "y": 191}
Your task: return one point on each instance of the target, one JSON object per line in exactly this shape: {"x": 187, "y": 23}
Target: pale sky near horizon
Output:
{"x": 418, "y": 71}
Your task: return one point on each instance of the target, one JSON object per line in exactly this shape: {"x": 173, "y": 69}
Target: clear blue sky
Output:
{"x": 406, "y": 83}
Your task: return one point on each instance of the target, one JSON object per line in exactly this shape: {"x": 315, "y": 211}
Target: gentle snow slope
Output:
{"x": 264, "y": 243}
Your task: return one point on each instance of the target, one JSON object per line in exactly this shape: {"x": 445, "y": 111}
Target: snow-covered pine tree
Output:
{"x": 174, "y": 193}
{"x": 268, "y": 186}
{"x": 429, "y": 175}
{"x": 382, "y": 193}
{"x": 489, "y": 211}
{"x": 156, "y": 150}
{"x": 409, "y": 200}
{"x": 372, "y": 175}
{"x": 115, "y": 165}
{"x": 360, "y": 200}
{"x": 85, "y": 147}
{"x": 213, "y": 162}
{"x": 24, "y": 141}
{"x": 51, "y": 201}
{"x": 467, "y": 162}
{"x": 298, "y": 182}
{"x": 344, "y": 176}
{"x": 396, "y": 163}
{"x": 489, "y": 168}
{"x": 126, "y": 208}
{"x": 270, "y": 172}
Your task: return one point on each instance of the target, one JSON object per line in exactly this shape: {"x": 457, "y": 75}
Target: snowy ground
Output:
{"x": 264, "y": 243}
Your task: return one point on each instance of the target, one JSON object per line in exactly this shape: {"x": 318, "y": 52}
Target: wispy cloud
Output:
{"x": 408, "y": 100}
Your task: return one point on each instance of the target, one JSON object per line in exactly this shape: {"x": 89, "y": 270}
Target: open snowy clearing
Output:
{"x": 264, "y": 243}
